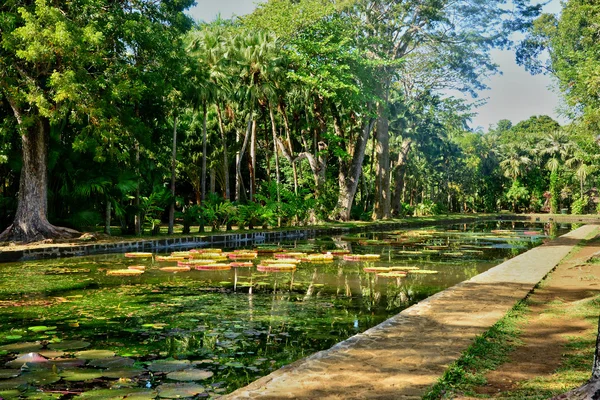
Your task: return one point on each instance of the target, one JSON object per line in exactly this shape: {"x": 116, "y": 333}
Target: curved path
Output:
{"x": 402, "y": 357}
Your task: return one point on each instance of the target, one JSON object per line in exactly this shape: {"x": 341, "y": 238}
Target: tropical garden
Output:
{"x": 128, "y": 116}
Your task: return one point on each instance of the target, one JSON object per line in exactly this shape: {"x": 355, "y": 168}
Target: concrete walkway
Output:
{"x": 402, "y": 357}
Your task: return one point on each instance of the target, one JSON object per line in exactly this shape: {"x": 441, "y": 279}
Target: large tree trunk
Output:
{"x": 137, "y": 222}
{"x": 107, "y": 216}
{"x": 173, "y": 167}
{"x": 276, "y": 153}
{"x": 289, "y": 144}
{"x": 399, "y": 176}
{"x": 31, "y": 219}
{"x": 349, "y": 175}
{"x": 382, "y": 203}
{"x": 225, "y": 155}
{"x": 203, "y": 179}
{"x": 252, "y": 162}
{"x": 239, "y": 157}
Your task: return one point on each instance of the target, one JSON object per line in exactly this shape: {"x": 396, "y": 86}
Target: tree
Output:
{"x": 464, "y": 31}
{"x": 573, "y": 46}
{"x": 64, "y": 63}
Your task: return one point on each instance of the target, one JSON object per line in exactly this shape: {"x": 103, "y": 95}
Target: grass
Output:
{"x": 487, "y": 352}
{"x": 493, "y": 348}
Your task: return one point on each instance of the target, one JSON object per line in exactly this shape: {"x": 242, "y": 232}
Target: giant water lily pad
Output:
{"x": 190, "y": 375}
{"x": 423, "y": 272}
{"x": 41, "y": 328}
{"x": 25, "y": 347}
{"x": 112, "y": 362}
{"x": 66, "y": 363}
{"x": 179, "y": 390}
{"x": 51, "y": 353}
{"x": 81, "y": 375}
{"x": 69, "y": 345}
{"x": 128, "y": 393}
{"x": 40, "y": 377}
{"x": 9, "y": 373}
{"x": 35, "y": 395}
{"x": 94, "y": 354}
{"x": 10, "y": 394}
{"x": 29, "y": 358}
{"x": 120, "y": 373}
{"x": 11, "y": 384}
{"x": 169, "y": 365}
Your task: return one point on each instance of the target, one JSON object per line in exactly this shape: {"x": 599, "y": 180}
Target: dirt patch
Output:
{"x": 549, "y": 324}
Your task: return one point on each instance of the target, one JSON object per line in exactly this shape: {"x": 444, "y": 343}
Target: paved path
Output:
{"x": 402, "y": 357}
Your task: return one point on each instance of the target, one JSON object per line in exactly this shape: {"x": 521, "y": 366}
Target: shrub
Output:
{"x": 580, "y": 205}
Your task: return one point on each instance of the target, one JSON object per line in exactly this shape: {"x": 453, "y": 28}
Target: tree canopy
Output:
{"x": 301, "y": 111}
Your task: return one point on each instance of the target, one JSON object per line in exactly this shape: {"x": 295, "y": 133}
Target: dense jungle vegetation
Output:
{"x": 131, "y": 114}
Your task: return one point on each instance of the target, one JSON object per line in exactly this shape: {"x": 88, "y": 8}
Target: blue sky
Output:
{"x": 515, "y": 94}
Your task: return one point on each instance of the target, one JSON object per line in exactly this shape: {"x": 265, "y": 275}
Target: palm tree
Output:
{"x": 581, "y": 163}
{"x": 515, "y": 160}
{"x": 558, "y": 146}
{"x": 208, "y": 47}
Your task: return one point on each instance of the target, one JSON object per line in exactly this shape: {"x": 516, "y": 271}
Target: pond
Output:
{"x": 68, "y": 329}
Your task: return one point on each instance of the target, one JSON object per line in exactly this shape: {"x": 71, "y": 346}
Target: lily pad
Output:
{"x": 169, "y": 365}
{"x": 10, "y": 394}
{"x": 9, "y": 373}
{"x": 112, "y": 362}
{"x": 124, "y": 272}
{"x": 11, "y": 384}
{"x": 424, "y": 272}
{"x": 29, "y": 358}
{"x": 190, "y": 375}
{"x": 128, "y": 393}
{"x": 40, "y": 377}
{"x": 120, "y": 373}
{"x": 35, "y": 395}
{"x": 13, "y": 337}
{"x": 66, "y": 363}
{"x": 69, "y": 345}
{"x": 94, "y": 354}
{"x": 81, "y": 375}
{"x": 25, "y": 347}
{"x": 179, "y": 390}
{"x": 51, "y": 353}
{"x": 41, "y": 328}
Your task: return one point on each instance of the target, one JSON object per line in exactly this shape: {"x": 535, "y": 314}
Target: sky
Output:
{"x": 515, "y": 94}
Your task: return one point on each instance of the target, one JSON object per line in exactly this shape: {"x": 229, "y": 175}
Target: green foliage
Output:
{"x": 427, "y": 208}
{"x": 217, "y": 212}
{"x": 518, "y": 196}
{"x": 190, "y": 215}
{"x": 580, "y": 205}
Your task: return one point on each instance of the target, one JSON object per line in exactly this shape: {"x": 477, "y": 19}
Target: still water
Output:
{"x": 204, "y": 333}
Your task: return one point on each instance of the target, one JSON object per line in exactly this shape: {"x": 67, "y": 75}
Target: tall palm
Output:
{"x": 208, "y": 47}
{"x": 260, "y": 59}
